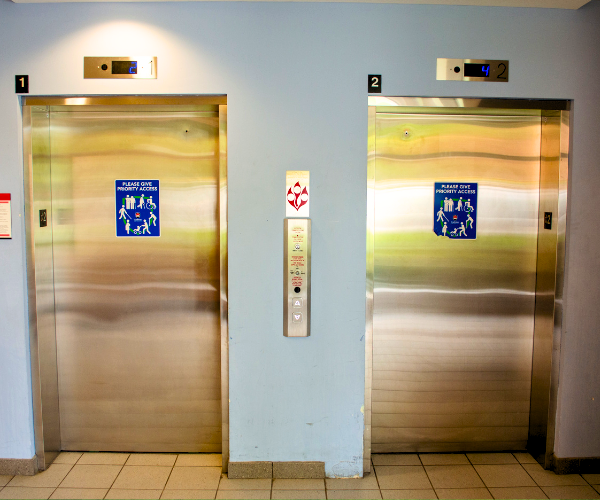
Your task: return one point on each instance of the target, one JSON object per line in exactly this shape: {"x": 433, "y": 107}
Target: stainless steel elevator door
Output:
{"x": 453, "y": 320}
{"x": 137, "y": 319}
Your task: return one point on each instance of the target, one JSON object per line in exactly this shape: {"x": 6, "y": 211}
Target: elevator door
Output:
{"x": 137, "y": 318}
{"x": 453, "y": 319}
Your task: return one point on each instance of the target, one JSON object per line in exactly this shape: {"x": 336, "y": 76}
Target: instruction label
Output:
{"x": 5, "y": 216}
{"x": 137, "y": 204}
{"x": 455, "y": 210}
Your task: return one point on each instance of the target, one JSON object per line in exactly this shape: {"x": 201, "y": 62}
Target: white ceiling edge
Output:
{"x": 539, "y": 4}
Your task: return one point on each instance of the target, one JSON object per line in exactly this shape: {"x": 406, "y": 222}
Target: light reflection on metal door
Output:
{"x": 453, "y": 320}
{"x": 137, "y": 319}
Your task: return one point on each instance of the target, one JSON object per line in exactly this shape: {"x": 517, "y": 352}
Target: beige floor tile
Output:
{"x": 549, "y": 478}
{"x": 453, "y": 476}
{"x": 142, "y": 477}
{"x": 244, "y": 484}
{"x": 135, "y": 494}
{"x": 402, "y": 477}
{"x": 91, "y": 476}
{"x": 298, "y": 484}
{"x": 4, "y": 480}
{"x": 491, "y": 458}
{"x": 590, "y": 478}
{"x": 396, "y": 459}
{"x": 444, "y": 459}
{"x": 568, "y": 492}
{"x": 298, "y": 494}
{"x": 68, "y": 457}
{"x": 26, "y": 493}
{"x": 354, "y": 494}
{"x": 199, "y": 460}
{"x": 368, "y": 482}
{"x": 498, "y": 476}
{"x": 243, "y": 494}
{"x": 523, "y": 492}
{"x": 103, "y": 459}
{"x": 83, "y": 493}
{"x": 151, "y": 459}
{"x": 525, "y": 458}
{"x": 194, "y": 478}
{"x": 458, "y": 493}
{"x": 50, "y": 478}
{"x": 408, "y": 494}
{"x": 189, "y": 494}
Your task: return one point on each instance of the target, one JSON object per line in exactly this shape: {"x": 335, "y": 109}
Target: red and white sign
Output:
{"x": 297, "y": 193}
{"x": 5, "y": 216}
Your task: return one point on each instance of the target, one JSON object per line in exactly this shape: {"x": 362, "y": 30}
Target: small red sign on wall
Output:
{"x": 5, "y": 216}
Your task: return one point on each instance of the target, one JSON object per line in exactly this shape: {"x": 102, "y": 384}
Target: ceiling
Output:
{"x": 549, "y": 4}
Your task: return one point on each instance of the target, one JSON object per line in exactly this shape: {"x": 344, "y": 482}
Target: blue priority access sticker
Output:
{"x": 455, "y": 210}
{"x": 137, "y": 204}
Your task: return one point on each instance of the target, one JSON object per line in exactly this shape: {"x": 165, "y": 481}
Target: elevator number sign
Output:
{"x": 455, "y": 210}
{"x": 137, "y": 204}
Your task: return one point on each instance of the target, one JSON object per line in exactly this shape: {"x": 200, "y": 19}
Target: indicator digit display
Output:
{"x": 477, "y": 70}
{"x": 124, "y": 67}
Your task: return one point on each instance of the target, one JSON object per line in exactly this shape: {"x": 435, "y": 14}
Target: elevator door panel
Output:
{"x": 137, "y": 318}
{"x": 453, "y": 319}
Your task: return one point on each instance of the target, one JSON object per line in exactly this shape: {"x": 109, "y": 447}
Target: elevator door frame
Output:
{"x": 554, "y": 167}
{"x": 43, "y": 360}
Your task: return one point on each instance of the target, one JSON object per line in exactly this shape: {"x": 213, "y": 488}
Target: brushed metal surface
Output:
{"x": 223, "y": 280}
{"x": 550, "y": 276}
{"x": 466, "y": 105}
{"x": 146, "y": 67}
{"x": 561, "y": 234}
{"x": 546, "y": 278}
{"x": 372, "y": 120}
{"x": 453, "y": 320}
{"x": 137, "y": 321}
{"x": 36, "y": 144}
{"x": 179, "y": 103}
{"x": 296, "y": 277}
{"x": 446, "y": 70}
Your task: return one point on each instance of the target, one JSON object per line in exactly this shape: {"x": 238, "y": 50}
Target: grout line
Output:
{"x": 432, "y": 487}
{"x": 111, "y": 484}
{"x": 62, "y": 480}
{"x": 376, "y": 478}
{"x": 428, "y": 478}
{"x": 480, "y": 478}
{"x": 169, "y": 477}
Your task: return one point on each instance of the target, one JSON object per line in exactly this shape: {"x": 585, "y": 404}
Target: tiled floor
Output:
{"x": 153, "y": 476}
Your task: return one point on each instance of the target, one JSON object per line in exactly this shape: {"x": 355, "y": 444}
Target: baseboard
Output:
{"x": 298, "y": 470}
{"x": 18, "y": 466}
{"x": 277, "y": 470}
{"x": 587, "y": 465}
{"x": 250, "y": 470}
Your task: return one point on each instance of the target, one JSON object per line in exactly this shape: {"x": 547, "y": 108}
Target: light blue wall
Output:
{"x": 295, "y": 77}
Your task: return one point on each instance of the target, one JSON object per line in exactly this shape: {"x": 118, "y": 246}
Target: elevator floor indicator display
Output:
{"x": 455, "y": 210}
{"x": 137, "y": 205}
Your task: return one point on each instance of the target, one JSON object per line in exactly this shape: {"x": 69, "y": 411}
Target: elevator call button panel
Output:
{"x": 296, "y": 279}
{"x": 128, "y": 67}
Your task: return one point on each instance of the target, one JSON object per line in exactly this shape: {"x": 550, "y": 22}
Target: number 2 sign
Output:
{"x": 374, "y": 84}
